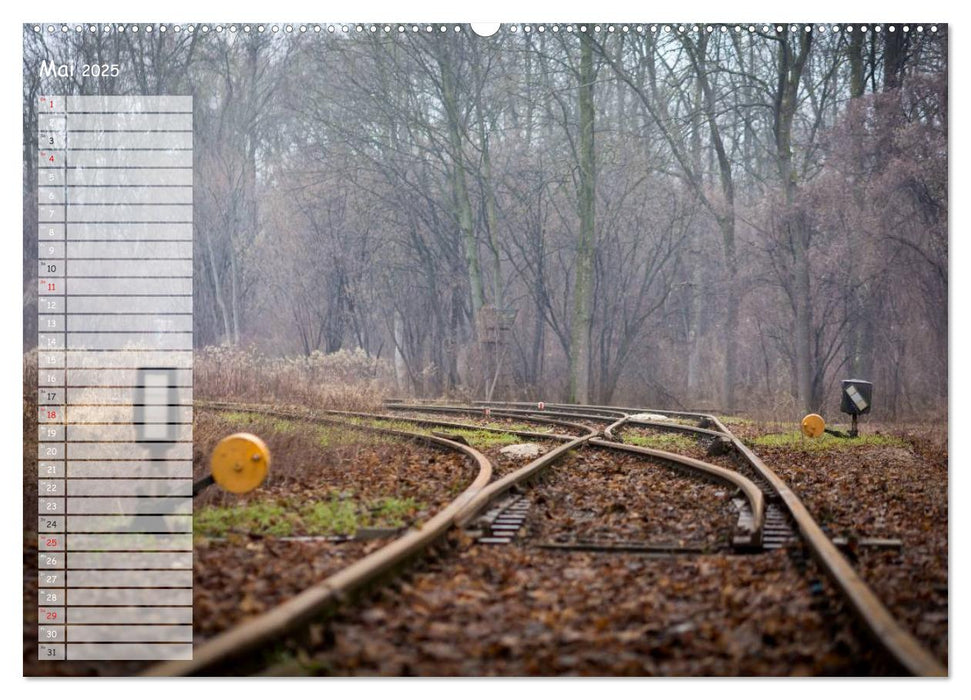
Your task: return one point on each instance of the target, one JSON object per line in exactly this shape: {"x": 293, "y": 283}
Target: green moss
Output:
{"x": 484, "y": 439}
{"x": 795, "y": 440}
{"x": 523, "y": 427}
{"x": 392, "y": 512}
{"x": 258, "y": 422}
{"x": 669, "y": 442}
{"x": 481, "y": 439}
{"x": 280, "y": 518}
{"x": 333, "y": 517}
{"x": 735, "y": 420}
{"x": 237, "y": 417}
{"x": 327, "y": 435}
{"x": 264, "y": 518}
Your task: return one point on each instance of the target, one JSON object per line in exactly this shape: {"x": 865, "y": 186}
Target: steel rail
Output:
{"x": 902, "y": 646}
{"x": 752, "y": 493}
{"x": 888, "y": 632}
{"x": 458, "y": 426}
{"x": 609, "y": 430}
{"x": 899, "y": 643}
{"x": 537, "y": 416}
{"x": 675, "y": 427}
{"x": 294, "y": 613}
{"x": 557, "y": 411}
{"x": 422, "y": 421}
{"x": 596, "y": 407}
{"x": 544, "y": 416}
{"x": 530, "y": 416}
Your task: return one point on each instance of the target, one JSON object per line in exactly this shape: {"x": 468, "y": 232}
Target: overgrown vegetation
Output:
{"x": 337, "y": 515}
{"x": 326, "y": 435}
{"x": 343, "y": 380}
{"x": 795, "y": 440}
{"x": 482, "y": 439}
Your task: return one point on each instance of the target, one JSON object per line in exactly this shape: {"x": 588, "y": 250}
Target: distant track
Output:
{"x": 899, "y": 644}
{"x": 772, "y": 509}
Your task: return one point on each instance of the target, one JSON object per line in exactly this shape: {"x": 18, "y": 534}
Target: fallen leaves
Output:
{"x": 592, "y": 614}
{"x": 607, "y": 496}
{"x": 886, "y": 492}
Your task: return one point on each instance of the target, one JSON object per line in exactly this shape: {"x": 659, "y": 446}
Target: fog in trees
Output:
{"x": 721, "y": 219}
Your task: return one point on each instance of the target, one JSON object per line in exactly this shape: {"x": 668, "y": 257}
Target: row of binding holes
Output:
{"x": 514, "y": 28}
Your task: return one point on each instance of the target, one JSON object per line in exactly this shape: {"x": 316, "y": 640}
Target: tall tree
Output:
{"x": 586, "y": 196}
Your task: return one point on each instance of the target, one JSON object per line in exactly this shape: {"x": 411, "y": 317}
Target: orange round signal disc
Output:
{"x": 813, "y": 425}
{"x": 240, "y": 462}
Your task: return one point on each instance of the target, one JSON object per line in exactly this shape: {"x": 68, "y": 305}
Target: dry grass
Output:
{"x": 30, "y": 443}
{"x": 345, "y": 380}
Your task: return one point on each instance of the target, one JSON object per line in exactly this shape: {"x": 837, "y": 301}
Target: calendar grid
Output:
{"x": 115, "y": 380}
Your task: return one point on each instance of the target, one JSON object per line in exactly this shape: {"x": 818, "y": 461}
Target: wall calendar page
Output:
{"x": 522, "y": 349}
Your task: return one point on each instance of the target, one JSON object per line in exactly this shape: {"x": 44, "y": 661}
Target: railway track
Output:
{"x": 493, "y": 511}
{"x": 787, "y": 513}
{"x": 250, "y": 636}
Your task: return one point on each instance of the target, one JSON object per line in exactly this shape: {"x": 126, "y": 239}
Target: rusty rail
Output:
{"x": 294, "y": 613}
{"x": 752, "y": 493}
{"x": 299, "y": 610}
{"x": 902, "y": 646}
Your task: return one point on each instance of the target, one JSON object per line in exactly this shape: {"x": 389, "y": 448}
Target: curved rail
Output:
{"x": 422, "y": 421}
{"x": 529, "y": 416}
{"x": 297, "y": 611}
{"x": 902, "y": 646}
{"x": 500, "y": 486}
{"x": 751, "y": 492}
{"x": 676, "y": 427}
{"x": 292, "y": 614}
{"x": 594, "y": 407}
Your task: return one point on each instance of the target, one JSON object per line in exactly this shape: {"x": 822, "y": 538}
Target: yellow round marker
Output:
{"x": 240, "y": 462}
{"x": 813, "y": 425}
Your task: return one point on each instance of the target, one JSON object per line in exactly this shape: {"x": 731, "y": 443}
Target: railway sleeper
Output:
{"x": 501, "y": 523}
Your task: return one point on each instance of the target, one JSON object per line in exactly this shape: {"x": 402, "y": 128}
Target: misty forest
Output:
{"x": 680, "y": 216}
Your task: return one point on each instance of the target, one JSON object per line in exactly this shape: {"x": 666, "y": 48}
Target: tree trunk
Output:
{"x": 583, "y": 289}
{"x": 790, "y": 68}
{"x": 460, "y": 191}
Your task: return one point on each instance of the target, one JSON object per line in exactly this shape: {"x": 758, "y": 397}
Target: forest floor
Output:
{"x": 537, "y": 606}
{"x": 889, "y": 483}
